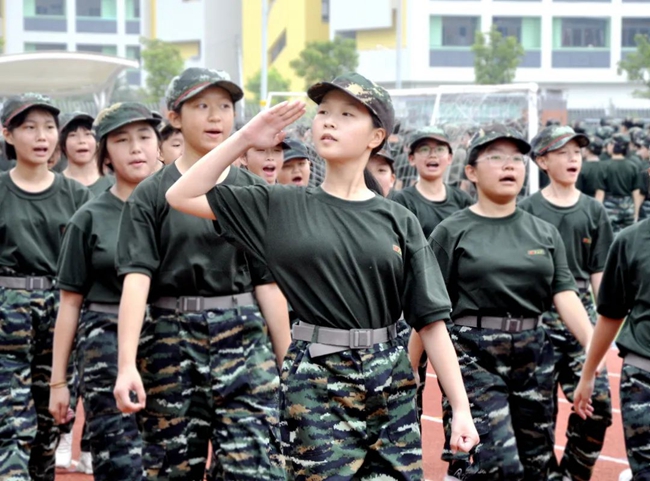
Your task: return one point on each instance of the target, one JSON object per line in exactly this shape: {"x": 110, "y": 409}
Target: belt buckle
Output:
{"x": 361, "y": 338}
{"x": 190, "y": 304}
{"x": 35, "y": 283}
{"x": 511, "y": 324}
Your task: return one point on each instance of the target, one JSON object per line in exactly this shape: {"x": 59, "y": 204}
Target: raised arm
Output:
{"x": 263, "y": 131}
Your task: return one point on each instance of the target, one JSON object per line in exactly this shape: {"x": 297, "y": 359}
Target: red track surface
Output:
{"x": 610, "y": 464}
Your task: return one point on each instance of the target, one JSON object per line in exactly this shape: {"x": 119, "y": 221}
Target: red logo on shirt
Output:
{"x": 586, "y": 240}
{"x": 397, "y": 249}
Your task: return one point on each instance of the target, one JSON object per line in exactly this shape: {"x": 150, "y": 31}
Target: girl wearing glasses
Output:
{"x": 504, "y": 268}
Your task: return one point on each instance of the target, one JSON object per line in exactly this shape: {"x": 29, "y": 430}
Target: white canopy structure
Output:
{"x": 62, "y": 74}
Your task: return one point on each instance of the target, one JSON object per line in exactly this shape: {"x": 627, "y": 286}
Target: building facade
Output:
{"x": 571, "y": 46}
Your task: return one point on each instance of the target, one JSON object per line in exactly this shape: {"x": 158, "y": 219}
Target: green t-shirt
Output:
{"x": 622, "y": 177}
{"x": 181, "y": 253}
{"x": 584, "y": 228}
{"x": 104, "y": 183}
{"x": 591, "y": 178}
{"x": 500, "y": 266}
{"x": 625, "y": 288}
{"x": 341, "y": 264}
{"x": 431, "y": 213}
{"x": 87, "y": 261}
{"x": 32, "y": 224}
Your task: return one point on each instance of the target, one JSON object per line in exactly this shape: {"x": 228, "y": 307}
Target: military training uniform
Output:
{"x": 587, "y": 235}
{"x": 625, "y": 293}
{"x": 205, "y": 356}
{"x": 31, "y": 227}
{"x": 349, "y": 269}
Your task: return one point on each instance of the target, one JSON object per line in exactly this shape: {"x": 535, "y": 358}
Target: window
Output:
{"x": 633, "y": 27}
{"x": 41, "y": 47}
{"x": 47, "y": 7}
{"x": 92, "y": 48}
{"x": 584, "y": 32}
{"x": 278, "y": 46}
{"x": 349, "y": 34}
{"x": 97, "y": 8}
{"x": 459, "y": 31}
{"x": 133, "y": 52}
{"x": 509, "y": 26}
{"x": 325, "y": 11}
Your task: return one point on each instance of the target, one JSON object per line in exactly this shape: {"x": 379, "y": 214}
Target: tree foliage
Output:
{"x": 496, "y": 58}
{"x": 324, "y": 60}
{"x": 275, "y": 83}
{"x": 637, "y": 65}
{"x": 162, "y": 61}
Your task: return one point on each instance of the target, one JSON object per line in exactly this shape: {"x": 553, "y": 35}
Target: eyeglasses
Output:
{"x": 426, "y": 150}
{"x": 499, "y": 160}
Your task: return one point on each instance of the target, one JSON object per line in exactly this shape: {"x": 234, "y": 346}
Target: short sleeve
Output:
{"x": 602, "y": 241}
{"x": 242, "y": 215}
{"x": 74, "y": 261}
{"x": 425, "y": 298}
{"x": 614, "y": 299}
{"x": 439, "y": 242}
{"x": 137, "y": 248}
{"x": 260, "y": 273}
{"x": 400, "y": 198}
{"x": 600, "y": 177}
{"x": 562, "y": 278}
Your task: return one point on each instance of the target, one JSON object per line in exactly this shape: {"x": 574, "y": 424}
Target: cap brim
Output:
{"x": 41, "y": 105}
{"x": 233, "y": 89}
{"x": 388, "y": 158}
{"x": 86, "y": 117}
{"x": 523, "y": 147}
{"x": 437, "y": 138}
{"x": 581, "y": 139}
{"x": 293, "y": 155}
{"x": 154, "y": 122}
{"x": 317, "y": 91}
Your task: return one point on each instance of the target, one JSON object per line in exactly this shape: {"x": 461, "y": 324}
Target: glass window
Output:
{"x": 49, "y": 7}
{"x": 509, "y": 26}
{"x": 41, "y": 47}
{"x": 584, "y": 32}
{"x": 89, "y": 8}
{"x": 633, "y": 27}
{"x": 459, "y": 31}
{"x": 325, "y": 11}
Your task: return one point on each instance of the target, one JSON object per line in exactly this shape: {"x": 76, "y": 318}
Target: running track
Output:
{"x": 612, "y": 460}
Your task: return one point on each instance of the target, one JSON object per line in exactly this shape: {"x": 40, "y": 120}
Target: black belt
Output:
{"x": 507, "y": 324}
{"x": 637, "y": 361}
{"x": 104, "y": 308}
{"x": 28, "y": 283}
{"x": 198, "y": 304}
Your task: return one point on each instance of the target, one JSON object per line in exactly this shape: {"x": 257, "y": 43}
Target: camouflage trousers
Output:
{"x": 509, "y": 382}
{"x": 28, "y": 435}
{"x": 209, "y": 376}
{"x": 635, "y": 393}
{"x": 584, "y": 437}
{"x": 350, "y": 415}
{"x": 620, "y": 210}
{"x": 113, "y": 437}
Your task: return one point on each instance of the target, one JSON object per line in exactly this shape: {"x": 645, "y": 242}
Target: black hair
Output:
{"x": 595, "y": 148}
{"x": 102, "y": 151}
{"x": 16, "y": 122}
{"x": 371, "y": 182}
{"x": 167, "y": 131}
{"x": 619, "y": 148}
{"x": 73, "y": 126}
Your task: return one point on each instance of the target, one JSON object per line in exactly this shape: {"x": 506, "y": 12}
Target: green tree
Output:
{"x": 496, "y": 58}
{"x": 637, "y": 65}
{"x": 275, "y": 82}
{"x": 162, "y": 61}
{"x": 325, "y": 60}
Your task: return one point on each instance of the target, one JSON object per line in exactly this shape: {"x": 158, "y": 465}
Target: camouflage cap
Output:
{"x": 636, "y": 135}
{"x": 555, "y": 137}
{"x": 430, "y": 132}
{"x": 121, "y": 114}
{"x": 19, "y": 104}
{"x": 385, "y": 154}
{"x": 294, "y": 149}
{"x": 374, "y": 97}
{"x": 82, "y": 117}
{"x": 195, "y": 80}
{"x": 491, "y": 134}
{"x": 646, "y": 142}
{"x": 621, "y": 140}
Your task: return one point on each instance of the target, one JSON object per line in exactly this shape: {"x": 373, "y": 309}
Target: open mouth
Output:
{"x": 213, "y": 133}
{"x": 433, "y": 165}
{"x": 297, "y": 179}
{"x": 328, "y": 137}
{"x": 40, "y": 151}
{"x": 572, "y": 170}
{"x": 269, "y": 169}
{"x": 508, "y": 179}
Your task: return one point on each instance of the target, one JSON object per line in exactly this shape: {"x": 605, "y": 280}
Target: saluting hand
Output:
{"x": 264, "y": 131}
{"x": 129, "y": 380}
{"x": 463, "y": 432}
